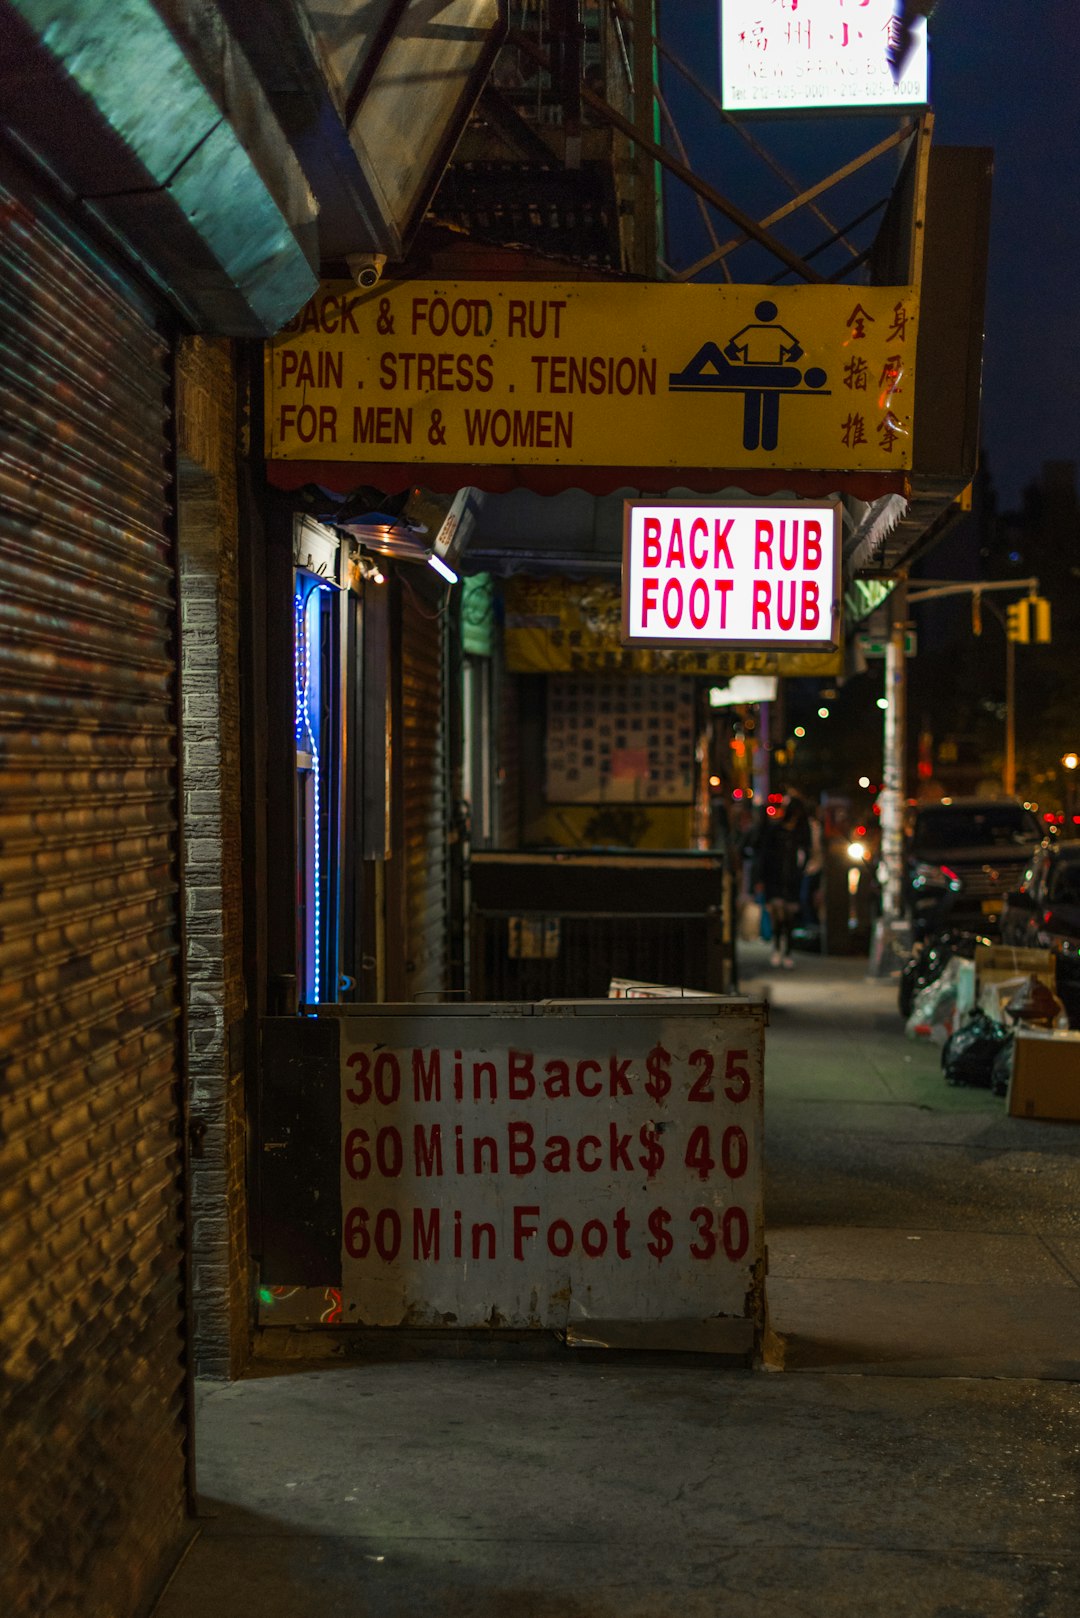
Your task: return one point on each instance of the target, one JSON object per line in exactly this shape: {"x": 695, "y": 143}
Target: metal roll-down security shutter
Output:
{"x": 423, "y": 813}
{"x": 92, "y": 1399}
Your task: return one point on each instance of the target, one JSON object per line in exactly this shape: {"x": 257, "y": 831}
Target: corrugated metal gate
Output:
{"x": 93, "y": 1399}
{"x": 422, "y": 805}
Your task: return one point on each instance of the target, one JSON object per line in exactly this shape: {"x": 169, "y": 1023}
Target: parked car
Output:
{"x": 964, "y": 856}
{"x": 1043, "y": 912}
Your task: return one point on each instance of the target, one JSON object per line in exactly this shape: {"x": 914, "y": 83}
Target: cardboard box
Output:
{"x": 1046, "y": 1075}
{"x": 996, "y": 962}
{"x": 1001, "y": 966}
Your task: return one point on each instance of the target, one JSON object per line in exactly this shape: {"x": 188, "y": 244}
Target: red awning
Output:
{"x": 342, "y": 477}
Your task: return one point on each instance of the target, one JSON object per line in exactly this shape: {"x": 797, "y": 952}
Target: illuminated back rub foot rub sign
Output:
{"x": 731, "y": 574}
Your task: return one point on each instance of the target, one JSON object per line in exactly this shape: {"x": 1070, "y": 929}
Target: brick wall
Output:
{"x": 212, "y": 871}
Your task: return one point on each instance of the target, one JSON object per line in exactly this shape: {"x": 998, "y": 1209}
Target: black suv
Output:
{"x": 1044, "y": 913}
{"x": 964, "y": 856}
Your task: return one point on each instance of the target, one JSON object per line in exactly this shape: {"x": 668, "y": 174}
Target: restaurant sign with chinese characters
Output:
{"x": 781, "y": 55}
{"x": 597, "y": 374}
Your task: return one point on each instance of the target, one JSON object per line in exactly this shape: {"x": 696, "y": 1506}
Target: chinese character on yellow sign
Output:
{"x": 597, "y": 374}
{"x": 574, "y": 626}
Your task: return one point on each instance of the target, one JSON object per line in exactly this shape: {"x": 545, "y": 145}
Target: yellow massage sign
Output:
{"x": 597, "y": 374}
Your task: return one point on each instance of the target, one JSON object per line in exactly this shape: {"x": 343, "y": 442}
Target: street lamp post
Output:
{"x": 903, "y": 597}
{"x": 891, "y": 937}
{"x": 1008, "y": 761}
{"x": 893, "y": 794}
{"x": 1009, "y": 772}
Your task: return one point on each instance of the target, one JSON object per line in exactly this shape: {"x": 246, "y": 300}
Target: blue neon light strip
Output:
{"x": 306, "y": 730}
{"x": 298, "y": 614}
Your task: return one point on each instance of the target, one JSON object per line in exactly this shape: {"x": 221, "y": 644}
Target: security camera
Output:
{"x": 366, "y": 268}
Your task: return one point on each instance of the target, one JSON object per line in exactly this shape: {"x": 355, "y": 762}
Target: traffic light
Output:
{"x": 1016, "y": 621}
{"x": 1040, "y": 612}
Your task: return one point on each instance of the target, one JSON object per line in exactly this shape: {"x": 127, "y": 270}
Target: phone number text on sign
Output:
{"x": 523, "y": 1185}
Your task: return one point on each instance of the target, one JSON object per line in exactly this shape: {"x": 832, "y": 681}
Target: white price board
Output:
{"x": 582, "y": 1164}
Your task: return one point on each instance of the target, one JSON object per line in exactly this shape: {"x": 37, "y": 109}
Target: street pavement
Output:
{"x": 912, "y": 1451}
{"x": 911, "y": 1224}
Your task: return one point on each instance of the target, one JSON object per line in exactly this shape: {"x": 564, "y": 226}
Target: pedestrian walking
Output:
{"x": 813, "y": 870}
{"x": 781, "y": 852}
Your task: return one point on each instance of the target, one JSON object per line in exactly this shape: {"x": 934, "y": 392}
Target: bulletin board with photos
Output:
{"x": 620, "y": 740}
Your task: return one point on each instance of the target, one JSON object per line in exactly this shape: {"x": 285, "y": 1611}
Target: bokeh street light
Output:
{"x": 1070, "y": 761}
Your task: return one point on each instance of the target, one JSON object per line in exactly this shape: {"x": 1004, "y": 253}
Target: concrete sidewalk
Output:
{"x": 912, "y": 1226}
{"x": 914, "y": 1232}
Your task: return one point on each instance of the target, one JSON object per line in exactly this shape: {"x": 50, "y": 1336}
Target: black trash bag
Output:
{"x": 967, "y": 1056}
{"x": 1001, "y": 1072}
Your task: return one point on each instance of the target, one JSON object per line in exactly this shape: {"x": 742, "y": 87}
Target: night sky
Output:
{"x": 1002, "y": 75}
